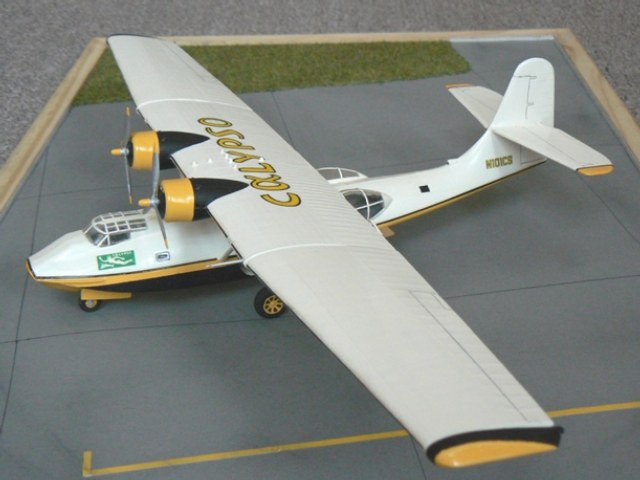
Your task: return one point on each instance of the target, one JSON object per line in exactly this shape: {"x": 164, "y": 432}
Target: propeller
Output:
{"x": 125, "y": 150}
{"x": 154, "y": 201}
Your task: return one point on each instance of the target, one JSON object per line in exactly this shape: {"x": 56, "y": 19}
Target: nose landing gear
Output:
{"x": 91, "y": 300}
{"x": 89, "y": 305}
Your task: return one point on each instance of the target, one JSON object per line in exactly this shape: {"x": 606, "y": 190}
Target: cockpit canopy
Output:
{"x": 367, "y": 202}
{"x": 112, "y": 228}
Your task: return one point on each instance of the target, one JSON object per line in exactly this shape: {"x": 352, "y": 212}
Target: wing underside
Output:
{"x": 365, "y": 302}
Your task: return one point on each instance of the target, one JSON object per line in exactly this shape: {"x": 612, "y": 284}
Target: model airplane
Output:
{"x": 248, "y": 203}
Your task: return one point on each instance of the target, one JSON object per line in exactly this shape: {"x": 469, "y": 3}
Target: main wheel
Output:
{"x": 89, "y": 305}
{"x": 268, "y": 304}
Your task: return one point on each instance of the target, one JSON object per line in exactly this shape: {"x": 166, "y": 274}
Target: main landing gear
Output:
{"x": 268, "y": 304}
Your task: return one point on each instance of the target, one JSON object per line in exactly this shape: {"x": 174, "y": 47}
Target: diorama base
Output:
{"x": 545, "y": 268}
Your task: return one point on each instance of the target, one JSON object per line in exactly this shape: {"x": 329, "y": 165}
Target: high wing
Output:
{"x": 334, "y": 269}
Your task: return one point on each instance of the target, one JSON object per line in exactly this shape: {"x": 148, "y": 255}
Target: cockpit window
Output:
{"x": 113, "y": 228}
{"x": 367, "y": 202}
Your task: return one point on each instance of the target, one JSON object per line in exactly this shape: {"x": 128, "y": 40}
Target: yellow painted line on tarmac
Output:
{"x": 595, "y": 409}
{"x": 88, "y": 470}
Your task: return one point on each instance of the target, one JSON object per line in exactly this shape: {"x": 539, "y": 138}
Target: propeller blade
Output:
{"x": 161, "y": 223}
{"x": 123, "y": 151}
{"x": 128, "y": 175}
{"x": 156, "y": 174}
{"x": 153, "y": 201}
{"x": 127, "y": 124}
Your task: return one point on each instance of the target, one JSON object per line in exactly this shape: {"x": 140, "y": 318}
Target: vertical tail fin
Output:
{"x": 530, "y": 96}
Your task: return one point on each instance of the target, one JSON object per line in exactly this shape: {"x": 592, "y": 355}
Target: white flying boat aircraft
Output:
{"x": 248, "y": 203}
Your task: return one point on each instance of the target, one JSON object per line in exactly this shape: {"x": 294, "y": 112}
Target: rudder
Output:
{"x": 530, "y": 96}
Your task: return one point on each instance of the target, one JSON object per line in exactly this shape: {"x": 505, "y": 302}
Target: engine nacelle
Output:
{"x": 186, "y": 199}
{"x": 142, "y": 145}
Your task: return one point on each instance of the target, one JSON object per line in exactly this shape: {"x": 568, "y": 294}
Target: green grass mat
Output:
{"x": 259, "y": 68}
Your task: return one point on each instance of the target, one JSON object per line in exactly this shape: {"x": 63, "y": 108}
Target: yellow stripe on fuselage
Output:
{"x": 444, "y": 203}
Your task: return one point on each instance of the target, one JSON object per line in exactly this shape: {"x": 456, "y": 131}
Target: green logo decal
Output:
{"x": 116, "y": 260}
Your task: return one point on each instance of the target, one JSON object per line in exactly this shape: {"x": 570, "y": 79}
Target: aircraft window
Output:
{"x": 336, "y": 173}
{"x": 367, "y": 202}
{"x": 163, "y": 256}
{"x": 118, "y": 237}
{"x": 330, "y": 173}
{"x": 113, "y": 228}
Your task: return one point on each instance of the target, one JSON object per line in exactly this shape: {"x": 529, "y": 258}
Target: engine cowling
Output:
{"x": 142, "y": 145}
{"x": 186, "y": 199}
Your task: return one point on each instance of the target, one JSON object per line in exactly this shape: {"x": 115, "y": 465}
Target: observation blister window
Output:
{"x": 367, "y": 202}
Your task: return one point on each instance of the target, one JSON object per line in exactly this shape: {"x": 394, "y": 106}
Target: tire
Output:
{"x": 89, "y": 306}
{"x": 268, "y": 304}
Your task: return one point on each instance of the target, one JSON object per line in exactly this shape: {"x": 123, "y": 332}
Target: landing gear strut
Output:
{"x": 268, "y": 304}
{"x": 91, "y": 300}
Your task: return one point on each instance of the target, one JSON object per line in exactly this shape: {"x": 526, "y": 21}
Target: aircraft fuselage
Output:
{"x": 124, "y": 252}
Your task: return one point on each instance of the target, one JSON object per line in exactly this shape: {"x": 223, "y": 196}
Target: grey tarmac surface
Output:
{"x": 544, "y": 267}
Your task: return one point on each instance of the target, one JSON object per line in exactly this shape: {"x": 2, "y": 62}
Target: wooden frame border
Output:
{"x": 22, "y": 159}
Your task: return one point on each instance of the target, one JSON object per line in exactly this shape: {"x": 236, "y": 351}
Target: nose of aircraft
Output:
{"x": 61, "y": 258}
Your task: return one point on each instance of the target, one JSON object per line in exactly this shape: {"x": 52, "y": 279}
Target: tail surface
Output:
{"x": 530, "y": 96}
{"x": 524, "y": 117}
{"x": 520, "y": 134}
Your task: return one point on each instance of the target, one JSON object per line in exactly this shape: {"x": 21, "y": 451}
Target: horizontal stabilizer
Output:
{"x": 481, "y": 102}
{"x": 556, "y": 145}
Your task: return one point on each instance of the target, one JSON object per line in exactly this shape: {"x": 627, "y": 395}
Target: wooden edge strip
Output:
{"x": 355, "y": 37}
{"x": 21, "y": 160}
{"x": 625, "y": 124}
{"x": 23, "y": 157}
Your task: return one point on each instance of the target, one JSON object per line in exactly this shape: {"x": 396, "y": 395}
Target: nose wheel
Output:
{"x": 89, "y": 305}
{"x": 268, "y": 304}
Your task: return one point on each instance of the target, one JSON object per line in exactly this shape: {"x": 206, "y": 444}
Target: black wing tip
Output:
{"x": 487, "y": 446}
